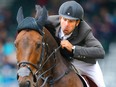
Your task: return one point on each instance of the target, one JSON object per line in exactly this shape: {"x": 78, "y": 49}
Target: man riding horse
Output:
{"x": 78, "y": 44}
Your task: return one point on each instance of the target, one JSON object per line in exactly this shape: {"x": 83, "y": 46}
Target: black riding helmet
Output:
{"x": 71, "y": 10}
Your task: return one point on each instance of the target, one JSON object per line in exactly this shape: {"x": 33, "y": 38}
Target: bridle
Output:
{"x": 26, "y": 64}
{"x": 36, "y": 66}
{"x": 39, "y": 66}
{"x": 24, "y": 68}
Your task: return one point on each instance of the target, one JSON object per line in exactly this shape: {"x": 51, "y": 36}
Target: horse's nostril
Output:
{"x": 28, "y": 84}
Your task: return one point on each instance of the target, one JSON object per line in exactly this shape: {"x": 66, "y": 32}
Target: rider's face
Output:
{"x": 68, "y": 25}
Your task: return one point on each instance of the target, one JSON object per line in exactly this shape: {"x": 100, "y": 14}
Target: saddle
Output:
{"x": 87, "y": 82}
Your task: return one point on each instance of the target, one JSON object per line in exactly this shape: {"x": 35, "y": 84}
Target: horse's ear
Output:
{"x": 43, "y": 17}
{"x": 20, "y": 16}
{"x": 38, "y": 11}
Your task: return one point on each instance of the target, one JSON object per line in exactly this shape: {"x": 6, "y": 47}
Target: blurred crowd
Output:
{"x": 100, "y": 14}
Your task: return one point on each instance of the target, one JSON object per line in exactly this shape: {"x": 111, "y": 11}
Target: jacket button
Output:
{"x": 70, "y": 57}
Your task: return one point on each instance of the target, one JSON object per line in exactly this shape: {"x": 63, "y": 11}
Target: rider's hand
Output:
{"x": 66, "y": 44}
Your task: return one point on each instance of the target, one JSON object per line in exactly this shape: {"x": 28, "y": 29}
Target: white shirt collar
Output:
{"x": 62, "y": 36}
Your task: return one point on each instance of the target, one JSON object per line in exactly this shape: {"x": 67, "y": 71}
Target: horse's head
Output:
{"x": 29, "y": 44}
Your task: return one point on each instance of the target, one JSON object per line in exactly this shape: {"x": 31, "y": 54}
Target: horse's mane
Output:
{"x": 49, "y": 38}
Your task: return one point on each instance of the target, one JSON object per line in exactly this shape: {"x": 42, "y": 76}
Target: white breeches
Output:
{"x": 91, "y": 70}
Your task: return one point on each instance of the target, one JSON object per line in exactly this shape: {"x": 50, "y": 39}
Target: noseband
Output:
{"x": 24, "y": 66}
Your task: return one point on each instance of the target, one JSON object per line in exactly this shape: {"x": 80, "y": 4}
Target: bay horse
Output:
{"x": 39, "y": 61}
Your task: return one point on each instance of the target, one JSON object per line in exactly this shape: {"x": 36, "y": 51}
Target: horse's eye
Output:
{"x": 38, "y": 45}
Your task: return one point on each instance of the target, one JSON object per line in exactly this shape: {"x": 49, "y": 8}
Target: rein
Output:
{"x": 49, "y": 79}
{"x": 41, "y": 75}
{"x": 35, "y": 75}
{"x": 24, "y": 67}
{"x": 53, "y": 53}
{"x": 38, "y": 75}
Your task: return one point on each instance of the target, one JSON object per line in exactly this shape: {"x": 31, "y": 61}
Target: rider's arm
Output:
{"x": 91, "y": 49}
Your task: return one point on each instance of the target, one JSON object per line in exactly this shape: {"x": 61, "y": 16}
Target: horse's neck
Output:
{"x": 61, "y": 64}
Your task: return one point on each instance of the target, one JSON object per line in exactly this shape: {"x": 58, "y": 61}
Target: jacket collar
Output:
{"x": 79, "y": 32}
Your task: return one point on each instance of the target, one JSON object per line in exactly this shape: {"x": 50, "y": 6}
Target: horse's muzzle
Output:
{"x": 26, "y": 84}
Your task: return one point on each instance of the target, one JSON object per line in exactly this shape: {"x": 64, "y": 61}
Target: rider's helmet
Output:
{"x": 71, "y": 10}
